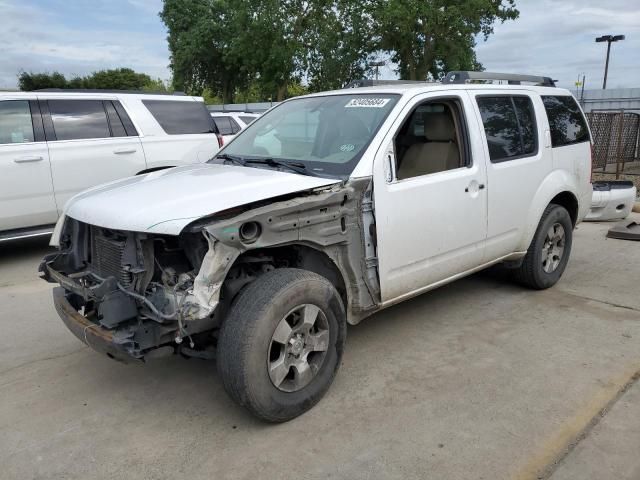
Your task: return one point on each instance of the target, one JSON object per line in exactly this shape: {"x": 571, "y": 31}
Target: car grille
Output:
{"x": 107, "y": 250}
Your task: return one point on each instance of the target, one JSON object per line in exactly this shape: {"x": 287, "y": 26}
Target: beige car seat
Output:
{"x": 439, "y": 152}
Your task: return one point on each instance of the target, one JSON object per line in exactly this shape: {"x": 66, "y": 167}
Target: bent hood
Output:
{"x": 168, "y": 200}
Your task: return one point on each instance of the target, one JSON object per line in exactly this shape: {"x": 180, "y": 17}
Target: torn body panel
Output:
{"x": 337, "y": 222}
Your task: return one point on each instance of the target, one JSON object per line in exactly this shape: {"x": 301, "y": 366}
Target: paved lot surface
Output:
{"x": 478, "y": 380}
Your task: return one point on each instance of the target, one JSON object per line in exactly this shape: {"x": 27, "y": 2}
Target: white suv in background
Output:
{"x": 229, "y": 124}
{"x": 56, "y": 144}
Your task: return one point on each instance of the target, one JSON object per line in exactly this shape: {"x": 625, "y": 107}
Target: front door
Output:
{"x": 430, "y": 195}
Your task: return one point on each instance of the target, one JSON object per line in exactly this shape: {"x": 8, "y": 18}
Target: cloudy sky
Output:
{"x": 551, "y": 37}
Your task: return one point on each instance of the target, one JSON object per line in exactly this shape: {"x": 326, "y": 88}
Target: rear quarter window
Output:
{"x": 566, "y": 122}
{"x": 180, "y": 117}
{"x": 224, "y": 125}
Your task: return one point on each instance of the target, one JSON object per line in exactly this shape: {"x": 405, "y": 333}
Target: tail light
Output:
{"x": 220, "y": 140}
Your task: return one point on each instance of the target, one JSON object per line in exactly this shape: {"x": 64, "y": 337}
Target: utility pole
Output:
{"x": 609, "y": 39}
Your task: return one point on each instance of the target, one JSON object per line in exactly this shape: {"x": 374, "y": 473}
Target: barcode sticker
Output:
{"x": 367, "y": 103}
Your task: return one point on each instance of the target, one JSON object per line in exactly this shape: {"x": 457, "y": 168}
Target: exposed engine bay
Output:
{"x": 156, "y": 294}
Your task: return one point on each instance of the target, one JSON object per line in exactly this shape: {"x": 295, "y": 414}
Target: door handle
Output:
{"x": 122, "y": 151}
{"x": 480, "y": 187}
{"x": 28, "y": 158}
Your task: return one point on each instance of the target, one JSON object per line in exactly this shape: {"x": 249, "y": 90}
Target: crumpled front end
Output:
{"x": 135, "y": 291}
{"x": 145, "y": 294}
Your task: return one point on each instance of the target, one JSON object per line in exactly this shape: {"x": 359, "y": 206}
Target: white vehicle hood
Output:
{"x": 168, "y": 200}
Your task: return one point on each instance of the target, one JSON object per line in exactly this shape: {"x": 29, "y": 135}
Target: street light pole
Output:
{"x": 609, "y": 39}
{"x": 377, "y": 64}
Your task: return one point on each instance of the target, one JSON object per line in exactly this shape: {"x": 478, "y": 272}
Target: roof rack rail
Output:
{"x": 367, "y": 82}
{"x": 512, "y": 78}
{"x": 100, "y": 90}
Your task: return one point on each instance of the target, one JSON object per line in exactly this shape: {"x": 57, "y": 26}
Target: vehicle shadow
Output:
{"x": 20, "y": 249}
{"x": 195, "y": 385}
{"x": 19, "y": 259}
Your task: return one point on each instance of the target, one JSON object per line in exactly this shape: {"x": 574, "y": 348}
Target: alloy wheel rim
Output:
{"x": 298, "y": 348}
{"x": 553, "y": 248}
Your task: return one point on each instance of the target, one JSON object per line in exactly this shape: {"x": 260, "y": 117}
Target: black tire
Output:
{"x": 245, "y": 342}
{"x": 532, "y": 271}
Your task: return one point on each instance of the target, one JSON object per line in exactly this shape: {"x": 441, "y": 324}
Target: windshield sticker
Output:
{"x": 347, "y": 147}
{"x": 367, "y": 102}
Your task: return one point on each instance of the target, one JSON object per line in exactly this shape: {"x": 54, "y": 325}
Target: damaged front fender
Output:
{"x": 338, "y": 221}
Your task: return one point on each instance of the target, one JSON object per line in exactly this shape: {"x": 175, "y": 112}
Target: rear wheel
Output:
{"x": 549, "y": 251}
{"x": 281, "y": 344}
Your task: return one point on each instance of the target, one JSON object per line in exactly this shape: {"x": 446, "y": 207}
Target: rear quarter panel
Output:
{"x": 163, "y": 150}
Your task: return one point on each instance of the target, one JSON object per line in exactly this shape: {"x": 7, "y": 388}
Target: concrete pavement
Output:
{"x": 480, "y": 379}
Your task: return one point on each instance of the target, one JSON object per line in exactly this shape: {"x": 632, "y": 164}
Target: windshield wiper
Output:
{"x": 232, "y": 158}
{"x": 297, "y": 167}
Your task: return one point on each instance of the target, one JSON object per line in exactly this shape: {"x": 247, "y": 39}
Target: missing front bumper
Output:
{"x": 92, "y": 334}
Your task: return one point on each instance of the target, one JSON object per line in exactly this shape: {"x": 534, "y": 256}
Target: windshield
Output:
{"x": 326, "y": 135}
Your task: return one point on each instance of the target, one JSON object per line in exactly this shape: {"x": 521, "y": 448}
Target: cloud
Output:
{"x": 78, "y": 39}
{"x": 551, "y": 37}
{"x": 558, "y": 39}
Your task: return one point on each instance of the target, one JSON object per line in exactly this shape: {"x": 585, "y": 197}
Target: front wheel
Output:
{"x": 281, "y": 344}
{"x": 549, "y": 251}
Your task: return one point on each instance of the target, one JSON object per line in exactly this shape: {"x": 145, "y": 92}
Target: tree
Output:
{"x": 339, "y": 44}
{"x": 115, "y": 79}
{"x": 428, "y": 37}
{"x": 29, "y": 81}
{"x": 201, "y": 33}
{"x": 244, "y": 47}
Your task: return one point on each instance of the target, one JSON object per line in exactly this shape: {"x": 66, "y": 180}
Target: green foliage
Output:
{"x": 116, "y": 79}
{"x": 36, "y": 81}
{"x": 257, "y": 50}
{"x": 427, "y": 38}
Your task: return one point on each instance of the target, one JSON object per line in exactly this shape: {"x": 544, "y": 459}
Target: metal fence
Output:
{"x": 615, "y": 141}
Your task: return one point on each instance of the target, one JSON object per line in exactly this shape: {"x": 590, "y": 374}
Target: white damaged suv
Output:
{"x": 325, "y": 210}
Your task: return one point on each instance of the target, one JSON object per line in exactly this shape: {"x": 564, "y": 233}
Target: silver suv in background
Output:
{"x": 229, "y": 124}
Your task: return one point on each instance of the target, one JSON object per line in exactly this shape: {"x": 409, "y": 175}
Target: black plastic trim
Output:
{"x": 49, "y": 131}
{"x": 36, "y": 121}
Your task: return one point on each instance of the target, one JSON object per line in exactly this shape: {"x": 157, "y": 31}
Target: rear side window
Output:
{"x": 224, "y": 125}
{"x": 181, "y": 118}
{"x": 235, "y": 128}
{"x": 15, "y": 122}
{"x": 509, "y": 125}
{"x": 247, "y": 120}
{"x": 79, "y": 119}
{"x": 566, "y": 121}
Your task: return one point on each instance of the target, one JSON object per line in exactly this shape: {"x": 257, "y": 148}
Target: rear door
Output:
{"x": 26, "y": 189}
{"x": 91, "y": 141}
{"x": 517, "y": 144}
